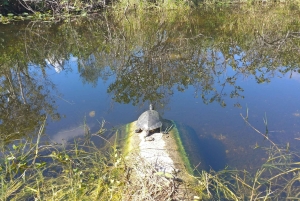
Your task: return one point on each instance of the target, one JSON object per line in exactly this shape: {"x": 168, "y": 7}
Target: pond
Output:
{"x": 201, "y": 68}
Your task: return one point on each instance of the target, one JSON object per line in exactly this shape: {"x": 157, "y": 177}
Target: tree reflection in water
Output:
{"x": 150, "y": 57}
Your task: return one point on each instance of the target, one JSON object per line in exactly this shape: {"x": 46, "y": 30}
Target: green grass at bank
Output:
{"x": 17, "y": 10}
{"x": 78, "y": 172}
{"x": 83, "y": 171}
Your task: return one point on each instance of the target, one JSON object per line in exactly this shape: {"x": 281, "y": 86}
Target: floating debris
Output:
{"x": 92, "y": 113}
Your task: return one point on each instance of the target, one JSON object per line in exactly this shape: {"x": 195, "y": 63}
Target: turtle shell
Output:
{"x": 149, "y": 120}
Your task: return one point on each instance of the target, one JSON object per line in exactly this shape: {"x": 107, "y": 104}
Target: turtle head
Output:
{"x": 151, "y": 107}
{"x": 147, "y": 133}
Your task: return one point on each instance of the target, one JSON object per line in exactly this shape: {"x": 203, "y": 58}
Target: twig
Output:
{"x": 264, "y": 135}
{"x": 38, "y": 140}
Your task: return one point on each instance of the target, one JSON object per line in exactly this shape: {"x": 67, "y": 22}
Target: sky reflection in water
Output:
{"x": 219, "y": 133}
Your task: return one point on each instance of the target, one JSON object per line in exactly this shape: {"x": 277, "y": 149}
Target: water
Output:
{"x": 88, "y": 70}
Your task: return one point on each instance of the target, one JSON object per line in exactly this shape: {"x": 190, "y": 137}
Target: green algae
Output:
{"x": 183, "y": 154}
{"x": 124, "y": 137}
{"x": 125, "y": 142}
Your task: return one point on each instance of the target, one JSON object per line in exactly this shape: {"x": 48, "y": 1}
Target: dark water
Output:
{"x": 202, "y": 69}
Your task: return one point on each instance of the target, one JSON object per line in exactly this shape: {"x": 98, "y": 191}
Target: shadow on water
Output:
{"x": 204, "y": 152}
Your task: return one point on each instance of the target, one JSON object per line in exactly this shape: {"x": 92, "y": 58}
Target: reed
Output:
{"x": 79, "y": 171}
{"x": 12, "y": 10}
{"x": 31, "y": 170}
{"x": 82, "y": 171}
{"x": 276, "y": 179}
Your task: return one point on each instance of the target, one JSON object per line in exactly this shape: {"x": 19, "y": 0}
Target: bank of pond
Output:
{"x": 148, "y": 56}
{"x": 120, "y": 169}
{"x": 20, "y": 10}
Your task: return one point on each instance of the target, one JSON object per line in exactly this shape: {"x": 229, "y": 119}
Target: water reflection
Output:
{"x": 25, "y": 102}
{"x": 161, "y": 58}
{"x": 64, "y": 136}
{"x": 205, "y": 152}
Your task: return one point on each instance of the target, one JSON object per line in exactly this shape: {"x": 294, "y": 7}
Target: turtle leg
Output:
{"x": 147, "y": 138}
{"x": 138, "y": 130}
{"x": 147, "y": 133}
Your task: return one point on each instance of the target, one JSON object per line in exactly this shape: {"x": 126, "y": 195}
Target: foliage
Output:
{"x": 30, "y": 170}
{"x": 79, "y": 171}
{"x": 276, "y": 179}
{"x": 46, "y": 10}
{"x": 175, "y": 51}
{"x": 159, "y": 52}
{"x": 56, "y": 7}
{"x": 25, "y": 100}
{"x": 83, "y": 171}
{"x": 151, "y": 54}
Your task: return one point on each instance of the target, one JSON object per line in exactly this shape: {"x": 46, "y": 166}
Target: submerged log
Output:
{"x": 159, "y": 157}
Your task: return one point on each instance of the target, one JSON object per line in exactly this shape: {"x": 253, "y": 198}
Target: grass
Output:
{"x": 82, "y": 171}
{"x": 19, "y": 10}
{"x": 78, "y": 171}
{"x": 54, "y": 172}
{"x": 277, "y": 179}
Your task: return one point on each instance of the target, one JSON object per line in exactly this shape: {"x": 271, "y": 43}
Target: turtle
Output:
{"x": 148, "y": 121}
